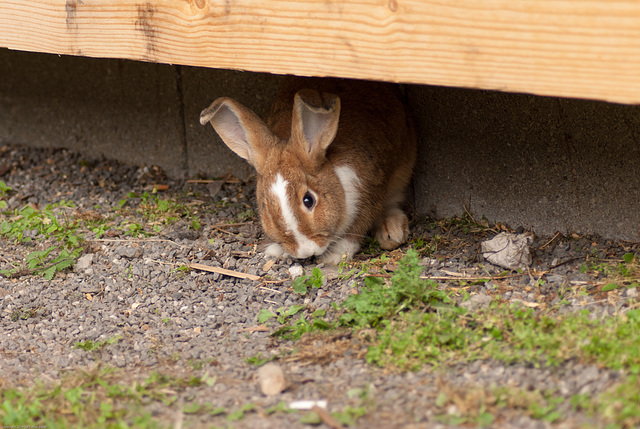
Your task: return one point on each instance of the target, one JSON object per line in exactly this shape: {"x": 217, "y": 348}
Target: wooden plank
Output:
{"x": 581, "y": 48}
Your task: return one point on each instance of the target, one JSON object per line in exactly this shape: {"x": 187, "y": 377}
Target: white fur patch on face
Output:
{"x": 350, "y": 182}
{"x": 306, "y": 246}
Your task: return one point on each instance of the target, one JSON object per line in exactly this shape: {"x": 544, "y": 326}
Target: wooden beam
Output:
{"x": 571, "y": 48}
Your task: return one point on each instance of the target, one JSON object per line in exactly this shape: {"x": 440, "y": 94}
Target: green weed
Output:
{"x": 303, "y": 326}
{"x": 4, "y": 191}
{"x": 52, "y": 222}
{"x": 350, "y": 415}
{"x": 41, "y": 262}
{"x": 426, "y": 248}
{"x": 155, "y": 213}
{"x": 379, "y": 300}
{"x": 181, "y": 269}
{"x": 239, "y": 413}
{"x": 93, "y": 400}
{"x": 302, "y": 283}
{"x": 625, "y": 274}
{"x": 282, "y": 314}
{"x": 258, "y": 360}
{"x": 24, "y": 313}
{"x": 620, "y": 404}
{"x": 92, "y": 346}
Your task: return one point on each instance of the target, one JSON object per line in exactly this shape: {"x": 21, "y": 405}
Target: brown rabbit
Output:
{"x": 334, "y": 159}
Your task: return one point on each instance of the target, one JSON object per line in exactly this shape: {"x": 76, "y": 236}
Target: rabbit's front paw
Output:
{"x": 275, "y": 250}
{"x": 393, "y": 230}
{"x": 343, "y": 248}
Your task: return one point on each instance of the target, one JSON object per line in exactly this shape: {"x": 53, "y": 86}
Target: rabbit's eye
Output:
{"x": 308, "y": 200}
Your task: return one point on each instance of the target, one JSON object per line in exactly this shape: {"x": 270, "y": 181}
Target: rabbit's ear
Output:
{"x": 315, "y": 121}
{"x": 240, "y": 129}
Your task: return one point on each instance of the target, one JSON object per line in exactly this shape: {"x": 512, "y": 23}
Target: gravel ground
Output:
{"x": 172, "y": 321}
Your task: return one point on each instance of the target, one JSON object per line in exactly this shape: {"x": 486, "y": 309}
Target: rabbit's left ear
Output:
{"x": 314, "y": 122}
{"x": 240, "y": 129}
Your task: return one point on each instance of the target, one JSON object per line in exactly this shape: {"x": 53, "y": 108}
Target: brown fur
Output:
{"x": 374, "y": 136}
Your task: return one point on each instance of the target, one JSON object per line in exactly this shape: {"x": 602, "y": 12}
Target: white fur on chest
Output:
{"x": 350, "y": 182}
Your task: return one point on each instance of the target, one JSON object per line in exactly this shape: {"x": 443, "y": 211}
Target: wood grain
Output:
{"x": 581, "y": 48}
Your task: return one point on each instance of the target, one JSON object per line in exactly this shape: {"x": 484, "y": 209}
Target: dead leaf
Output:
{"x": 266, "y": 267}
{"x": 507, "y": 250}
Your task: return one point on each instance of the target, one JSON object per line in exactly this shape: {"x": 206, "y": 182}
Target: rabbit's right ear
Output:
{"x": 240, "y": 129}
{"x": 314, "y": 122}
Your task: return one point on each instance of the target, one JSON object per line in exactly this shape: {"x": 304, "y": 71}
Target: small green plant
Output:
{"x": 153, "y": 213}
{"x": 379, "y": 300}
{"x": 282, "y": 314}
{"x": 620, "y": 404}
{"x": 42, "y": 263}
{"x": 624, "y": 274}
{"x": 103, "y": 397}
{"x": 547, "y": 409}
{"x": 48, "y": 267}
{"x": 182, "y": 269}
{"x": 426, "y": 248}
{"x": 299, "y": 327}
{"x": 92, "y": 346}
{"x": 239, "y": 413}
{"x": 195, "y": 224}
{"x": 302, "y": 326}
{"x": 24, "y": 313}
{"x": 135, "y": 229}
{"x": 280, "y": 407}
{"x": 52, "y": 222}
{"x": 100, "y": 230}
{"x": 4, "y": 191}
{"x": 258, "y": 360}
{"x": 302, "y": 283}
{"x": 350, "y": 415}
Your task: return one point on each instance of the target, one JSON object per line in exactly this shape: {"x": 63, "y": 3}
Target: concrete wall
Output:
{"x": 546, "y": 163}
{"x": 549, "y": 163}
{"x": 136, "y": 112}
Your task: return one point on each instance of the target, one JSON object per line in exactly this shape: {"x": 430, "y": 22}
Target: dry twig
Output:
{"x": 223, "y": 271}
